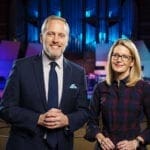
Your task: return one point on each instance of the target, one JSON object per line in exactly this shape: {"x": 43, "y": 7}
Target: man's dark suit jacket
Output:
{"x": 24, "y": 100}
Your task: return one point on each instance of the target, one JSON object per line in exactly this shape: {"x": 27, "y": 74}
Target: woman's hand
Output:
{"x": 106, "y": 143}
{"x": 127, "y": 145}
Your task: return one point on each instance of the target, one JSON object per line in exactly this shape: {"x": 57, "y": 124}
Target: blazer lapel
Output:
{"x": 66, "y": 81}
{"x": 38, "y": 68}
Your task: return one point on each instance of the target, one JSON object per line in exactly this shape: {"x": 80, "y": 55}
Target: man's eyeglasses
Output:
{"x": 116, "y": 56}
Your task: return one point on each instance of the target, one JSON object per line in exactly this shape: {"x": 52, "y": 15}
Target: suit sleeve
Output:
{"x": 11, "y": 108}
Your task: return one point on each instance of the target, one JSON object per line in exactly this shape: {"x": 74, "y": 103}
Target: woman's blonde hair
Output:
{"x": 135, "y": 72}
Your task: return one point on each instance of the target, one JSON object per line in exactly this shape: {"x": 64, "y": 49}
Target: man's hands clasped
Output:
{"x": 52, "y": 119}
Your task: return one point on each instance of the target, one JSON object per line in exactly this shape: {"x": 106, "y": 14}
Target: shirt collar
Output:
{"x": 47, "y": 61}
{"x": 124, "y": 81}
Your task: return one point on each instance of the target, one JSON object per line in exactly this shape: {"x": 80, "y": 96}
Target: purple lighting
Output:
{"x": 8, "y": 53}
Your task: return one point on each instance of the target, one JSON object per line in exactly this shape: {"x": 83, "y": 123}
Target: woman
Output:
{"x": 122, "y": 101}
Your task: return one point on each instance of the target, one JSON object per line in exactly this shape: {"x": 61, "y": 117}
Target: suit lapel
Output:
{"x": 66, "y": 80}
{"x": 38, "y": 69}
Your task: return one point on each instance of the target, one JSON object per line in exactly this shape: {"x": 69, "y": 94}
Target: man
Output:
{"x": 25, "y": 102}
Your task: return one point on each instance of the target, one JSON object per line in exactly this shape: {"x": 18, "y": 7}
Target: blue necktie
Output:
{"x": 53, "y": 87}
{"x": 52, "y": 103}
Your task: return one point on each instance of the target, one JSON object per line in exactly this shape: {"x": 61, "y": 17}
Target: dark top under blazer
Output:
{"x": 24, "y": 100}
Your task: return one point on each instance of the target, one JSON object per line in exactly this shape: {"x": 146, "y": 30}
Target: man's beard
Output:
{"x": 51, "y": 56}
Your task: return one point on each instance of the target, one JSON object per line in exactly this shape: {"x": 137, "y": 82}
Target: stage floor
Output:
{"x": 79, "y": 142}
